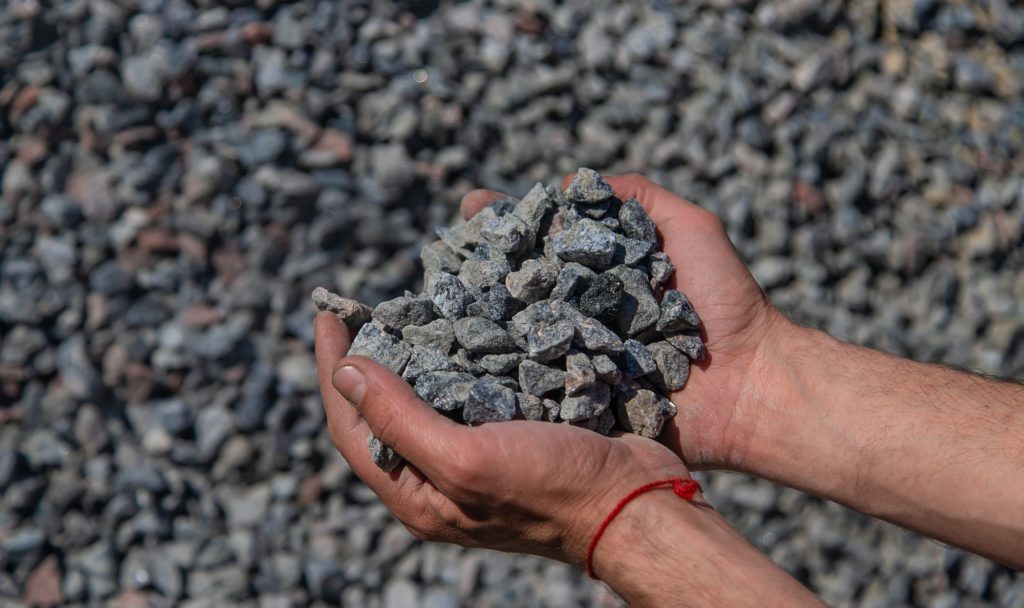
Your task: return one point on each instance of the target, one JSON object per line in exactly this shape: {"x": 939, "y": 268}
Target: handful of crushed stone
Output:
{"x": 551, "y": 308}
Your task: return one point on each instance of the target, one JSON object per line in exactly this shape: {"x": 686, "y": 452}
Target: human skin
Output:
{"x": 541, "y": 488}
{"x": 929, "y": 448}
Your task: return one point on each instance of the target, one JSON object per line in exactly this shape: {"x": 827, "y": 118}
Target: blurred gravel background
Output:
{"x": 177, "y": 176}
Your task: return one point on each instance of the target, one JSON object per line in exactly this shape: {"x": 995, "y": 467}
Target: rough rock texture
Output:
{"x": 176, "y": 177}
{"x": 505, "y": 267}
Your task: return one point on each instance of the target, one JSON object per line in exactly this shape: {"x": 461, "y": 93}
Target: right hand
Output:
{"x": 719, "y": 406}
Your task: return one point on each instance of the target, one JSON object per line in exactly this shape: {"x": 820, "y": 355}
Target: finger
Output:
{"x": 348, "y": 431}
{"x": 396, "y": 414}
{"x": 475, "y": 200}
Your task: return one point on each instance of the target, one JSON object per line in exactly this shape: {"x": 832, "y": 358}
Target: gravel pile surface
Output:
{"x": 178, "y": 176}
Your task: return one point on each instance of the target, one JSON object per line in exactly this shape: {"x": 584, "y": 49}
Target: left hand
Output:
{"x": 518, "y": 486}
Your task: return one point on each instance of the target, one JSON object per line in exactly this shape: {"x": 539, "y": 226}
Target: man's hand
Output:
{"x": 540, "y": 488}
{"x": 717, "y": 412}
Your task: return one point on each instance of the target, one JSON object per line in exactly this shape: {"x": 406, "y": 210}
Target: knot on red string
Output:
{"x": 683, "y": 488}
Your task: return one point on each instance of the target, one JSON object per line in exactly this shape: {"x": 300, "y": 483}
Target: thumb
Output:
{"x": 397, "y": 416}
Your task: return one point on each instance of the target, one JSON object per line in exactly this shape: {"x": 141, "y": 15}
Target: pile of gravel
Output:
{"x": 177, "y": 176}
{"x": 551, "y": 307}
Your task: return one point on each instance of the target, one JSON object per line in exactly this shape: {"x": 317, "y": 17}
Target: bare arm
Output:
{"x": 929, "y": 448}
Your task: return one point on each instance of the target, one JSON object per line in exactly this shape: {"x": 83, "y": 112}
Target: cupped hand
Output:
{"x": 520, "y": 486}
{"x": 719, "y": 408}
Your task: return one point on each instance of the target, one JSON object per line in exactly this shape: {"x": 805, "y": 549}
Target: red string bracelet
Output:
{"x": 683, "y": 488}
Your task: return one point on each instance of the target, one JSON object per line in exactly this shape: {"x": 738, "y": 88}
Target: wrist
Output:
{"x": 662, "y": 550}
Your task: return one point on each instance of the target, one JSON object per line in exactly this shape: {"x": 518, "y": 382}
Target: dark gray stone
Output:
{"x": 445, "y": 391}
{"x": 673, "y": 366}
{"x": 383, "y": 456}
{"x": 538, "y": 379}
{"x": 636, "y": 359}
{"x": 374, "y": 342}
{"x": 676, "y": 313}
{"x": 450, "y": 296}
{"x": 603, "y": 299}
{"x": 403, "y": 311}
{"x": 489, "y": 402}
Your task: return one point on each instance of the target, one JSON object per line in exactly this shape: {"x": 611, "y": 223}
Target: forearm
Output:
{"x": 661, "y": 551}
{"x": 922, "y": 446}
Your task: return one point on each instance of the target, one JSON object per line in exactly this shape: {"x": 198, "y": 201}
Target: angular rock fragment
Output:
{"x": 591, "y": 335}
{"x": 606, "y": 370}
{"x": 425, "y": 359}
{"x": 635, "y": 223}
{"x": 552, "y": 410}
{"x": 631, "y": 251}
{"x": 506, "y": 233}
{"x": 403, "y": 311}
{"x": 450, "y": 296}
{"x": 484, "y": 268}
{"x": 643, "y": 412}
{"x": 586, "y": 242}
{"x": 677, "y": 313}
{"x": 480, "y": 335}
{"x": 500, "y": 363}
{"x": 637, "y": 360}
{"x": 589, "y": 403}
{"x": 382, "y": 456}
{"x": 530, "y": 406}
{"x": 533, "y": 207}
{"x": 351, "y": 312}
{"x": 445, "y": 391}
{"x": 438, "y": 334}
{"x": 538, "y": 379}
{"x": 673, "y": 366}
{"x": 690, "y": 344}
{"x": 579, "y": 373}
{"x": 438, "y": 256}
{"x": 603, "y": 298}
{"x": 547, "y": 342}
{"x": 374, "y": 342}
{"x": 500, "y": 305}
{"x": 573, "y": 280}
{"x": 588, "y": 187}
{"x": 639, "y": 309}
{"x": 533, "y": 281}
{"x": 661, "y": 267}
{"x": 489, "y": 402}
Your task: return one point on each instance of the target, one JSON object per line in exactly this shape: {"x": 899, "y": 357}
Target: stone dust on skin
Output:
{"x": 522, "y": 300}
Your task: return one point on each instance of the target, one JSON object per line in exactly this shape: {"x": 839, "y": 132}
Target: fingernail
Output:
{"x": 350, "y": 383}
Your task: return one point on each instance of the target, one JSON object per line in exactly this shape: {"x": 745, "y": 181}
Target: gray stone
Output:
{"x": 592, "y": 335}
{"x": 588, "y": 404}
{"x": 579, "y": 373}
{"x": 439, "y": 334}
{"x": 533, "y": 281}
{"x": 530, "y": 407}
{"x": 538, "y": 379}
{"x": 661, "y": 267}
{"x": 573, "y": 280}
{"x": 351, "y": 312}
{"x": 479, "y": 335}
{"x": 637, "y": 360}
{"x": 587, "y": 242}
{"x": 639, "y": 310}
{"x": 425, "y": 359}
{"x": 690, "y": 344}
{"x": 489, "y": 402}
{"x": 606, "y": 370}
{"x": 500, "y": 305}
{"x": 374, "y": 342}
{"x": 499, "y": 364}
{"x": 403, "y": 311}
{"x": 506, "y": 233}
{"x": 533, "y": 207}
{"x": 547, "y": 342}
{"x": 643, "y": 412}
{"x": 450, "y": 296}
{"x": 588, "y": 187}
{"x": 439, "y": 257}
{"x": 383, "y": 456}
{"x": 635, "y": 223}
{"x": 673, "y": 366}
{"x": 676, "y": 313}
{"x": 445, "y": 391}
